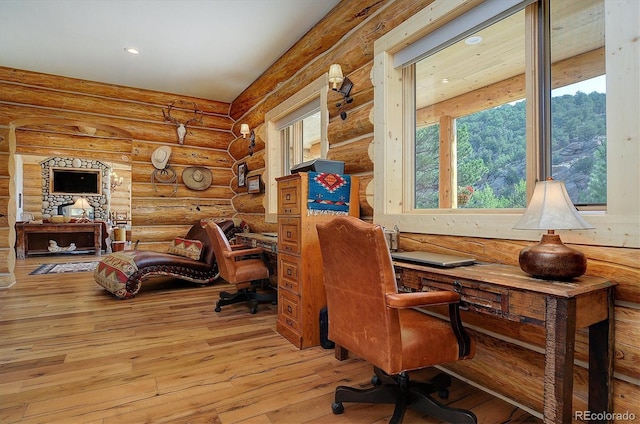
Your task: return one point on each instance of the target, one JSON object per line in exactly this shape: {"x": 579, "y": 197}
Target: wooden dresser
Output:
{"x": 301, "y": 292}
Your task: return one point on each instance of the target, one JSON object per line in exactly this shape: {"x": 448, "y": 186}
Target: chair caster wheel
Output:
{"x": 217, "y": 309}
{"x": 443, "y": 394}
{"x": 253, "y": 311}
{"x": 337, "y": 408}
{"x": 375, "y": 380}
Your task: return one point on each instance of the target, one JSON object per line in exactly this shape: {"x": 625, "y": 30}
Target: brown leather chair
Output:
{"x": 368, "y": 317}
{"x": 243, "y": 267}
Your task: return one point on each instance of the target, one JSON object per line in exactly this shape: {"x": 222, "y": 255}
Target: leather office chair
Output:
{"x": 241, "y": 267}
{"x": 368, "y": 317}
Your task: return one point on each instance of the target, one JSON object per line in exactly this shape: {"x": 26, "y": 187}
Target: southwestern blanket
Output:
{"x": 328, "y": 193}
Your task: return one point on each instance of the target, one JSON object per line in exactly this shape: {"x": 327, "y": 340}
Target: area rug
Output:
{"x": 68, "y": 267}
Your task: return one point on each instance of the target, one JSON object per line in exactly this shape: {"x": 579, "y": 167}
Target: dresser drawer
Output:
{"x": 289, "y": 272}
{"x": 289, "y": 309}
{"x": 289, "y": 235}
{"x": 289, "y": 201}
{"x": 476, "y": 296}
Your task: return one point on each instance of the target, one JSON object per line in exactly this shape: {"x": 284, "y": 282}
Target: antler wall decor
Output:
{"x": 182, "y": 127}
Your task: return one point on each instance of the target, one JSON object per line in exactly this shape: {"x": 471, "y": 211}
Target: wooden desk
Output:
{"x": 23, "y": 230}
{"x": 269, "y": 245}
{"x": 561, "y": 307}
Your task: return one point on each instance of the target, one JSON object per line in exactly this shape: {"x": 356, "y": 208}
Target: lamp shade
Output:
{"x": 81, "y": 203}
{"x": 551, "y": 209}
{"x": 335, "y": 75}
{"x": 244, "y": 130}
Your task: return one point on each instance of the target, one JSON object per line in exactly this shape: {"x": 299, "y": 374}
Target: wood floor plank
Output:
{"x": 73, "y": 353}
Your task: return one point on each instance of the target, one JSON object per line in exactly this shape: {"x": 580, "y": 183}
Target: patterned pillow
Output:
{"x": 191, "y": 249}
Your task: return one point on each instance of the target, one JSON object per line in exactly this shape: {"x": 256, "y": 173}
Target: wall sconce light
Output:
{"x": 116, "y": 181}
{"x": 336, "y": 78}
{"x": 245, "y": 131}
{"x": 551, "y": 209}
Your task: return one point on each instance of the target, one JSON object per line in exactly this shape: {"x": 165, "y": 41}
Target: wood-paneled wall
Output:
{"x": 346, "y": 36}
{"x": 29, "y": 95}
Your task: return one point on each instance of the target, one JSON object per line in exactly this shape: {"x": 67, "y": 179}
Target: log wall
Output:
{"x": 346, "y": 36}
{"x": 31, "y": 95}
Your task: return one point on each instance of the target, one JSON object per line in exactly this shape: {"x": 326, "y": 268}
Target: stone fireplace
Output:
{"x": 52, "y": 201}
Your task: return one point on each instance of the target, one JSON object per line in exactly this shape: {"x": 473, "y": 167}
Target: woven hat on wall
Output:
{"x": 197, "y": 177}
{"x": 160, "y": 157}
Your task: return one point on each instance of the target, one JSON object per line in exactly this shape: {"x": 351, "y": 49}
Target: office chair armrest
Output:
{"x": 243, "y": 252}
{"x": 412, "y": 300}
{"x": 415, "y": 299}
{"x": 239, "y": 246}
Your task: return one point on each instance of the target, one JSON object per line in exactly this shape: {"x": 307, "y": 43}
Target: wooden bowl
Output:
{"x": 60, "y": 219}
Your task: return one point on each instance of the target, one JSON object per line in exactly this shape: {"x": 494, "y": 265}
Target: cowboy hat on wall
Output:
{"x": 197, "y": 177}
{"x": 160, "y": 157}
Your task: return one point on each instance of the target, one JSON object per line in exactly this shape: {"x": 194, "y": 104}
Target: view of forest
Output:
{"x": 491, "y": 154}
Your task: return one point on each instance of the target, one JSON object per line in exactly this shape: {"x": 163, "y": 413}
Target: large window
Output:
{"x": 470, "y": 120}
{"x": 301, "y": 140}
{"x": 480, "y": 105}
{"x": 578, "y": 100}
{"x": 296, "y": 133}
{"x": 475, "y": 90}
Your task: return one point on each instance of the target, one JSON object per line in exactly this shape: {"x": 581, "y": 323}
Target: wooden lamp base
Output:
{"x": 552, "y": 260}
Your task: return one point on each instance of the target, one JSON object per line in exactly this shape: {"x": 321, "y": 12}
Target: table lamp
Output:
{"x": 82, "y": 203}
{"x": 551, "y": 209}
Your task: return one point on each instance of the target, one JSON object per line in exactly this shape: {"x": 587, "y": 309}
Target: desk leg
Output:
{"x": 20, "y": 243}
{"x": 601, "y": 353}
{"x": 560, "y": 325}
{"x": 97, "y": 240}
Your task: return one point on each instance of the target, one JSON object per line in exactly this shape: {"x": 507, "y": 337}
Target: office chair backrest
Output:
{"x": 358, "y": 273}
{"x": 226, "y": 265}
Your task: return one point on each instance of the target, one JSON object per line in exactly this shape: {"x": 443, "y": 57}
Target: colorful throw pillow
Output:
{"x": 191, "y": 249}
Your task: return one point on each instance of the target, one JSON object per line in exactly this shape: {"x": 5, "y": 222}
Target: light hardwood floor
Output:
{"x": 72, "y": 353}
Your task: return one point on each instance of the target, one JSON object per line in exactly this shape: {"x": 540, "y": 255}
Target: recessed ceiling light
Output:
{"x": 474, "y": 39}
{"x": 445, "y": 80}
{"x": 132, "y": 50}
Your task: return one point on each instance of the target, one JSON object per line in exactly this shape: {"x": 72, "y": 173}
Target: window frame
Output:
{"x": 619, "y": 225}
{"x": 274, "y": 154}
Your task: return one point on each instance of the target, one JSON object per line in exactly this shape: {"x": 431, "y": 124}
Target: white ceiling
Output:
{"x": 211, "y": 49}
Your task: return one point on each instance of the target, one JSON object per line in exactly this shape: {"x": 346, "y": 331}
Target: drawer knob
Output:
{"x": 289, "y": 272}
{"x": 288, "y": 197}
{"x": 289, "y": 309}
{"x": 289, "y": 234}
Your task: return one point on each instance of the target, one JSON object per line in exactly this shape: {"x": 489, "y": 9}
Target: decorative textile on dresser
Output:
{"x": 328, "y": 193}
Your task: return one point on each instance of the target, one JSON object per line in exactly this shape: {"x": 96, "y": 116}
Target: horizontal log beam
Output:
{"x": 140, "y": 130}
{"x": 183, "y": 155}
{"x": 168, "y": 211}
{"x": 355, "y": 155}
{"x": 147, "y": 190}
{"x": 322, "y": 37}
{"x": 106, "y": 90}
{"x": 249, "y": 203}
{"x": 357, "y": 124}
{"x": 141, "y": 173}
